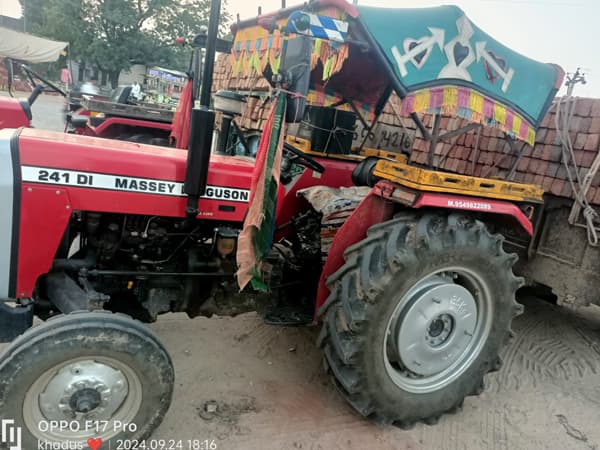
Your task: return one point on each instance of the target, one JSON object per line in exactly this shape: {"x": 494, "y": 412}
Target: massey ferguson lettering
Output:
{"x": 122, "y": 183}
{"x": 223, "y": 193}
{"x": 133, "y": 184}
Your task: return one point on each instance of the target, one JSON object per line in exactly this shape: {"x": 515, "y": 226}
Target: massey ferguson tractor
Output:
{"x": 414, "y": 289}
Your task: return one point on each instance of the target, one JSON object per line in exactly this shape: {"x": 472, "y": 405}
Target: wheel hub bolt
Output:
{"x": 85, "y": 400}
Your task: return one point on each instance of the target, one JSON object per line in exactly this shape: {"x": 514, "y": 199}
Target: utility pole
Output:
{"x": 573, "y": 79}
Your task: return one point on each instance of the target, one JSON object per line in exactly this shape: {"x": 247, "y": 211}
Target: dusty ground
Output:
{"x": 271, "y": 392}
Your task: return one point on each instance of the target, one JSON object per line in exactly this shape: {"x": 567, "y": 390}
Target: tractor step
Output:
{"x": 289, "y": 315}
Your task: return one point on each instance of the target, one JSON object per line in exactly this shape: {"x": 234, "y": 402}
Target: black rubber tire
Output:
{"x": 366, "y": 290}
{"x": 93, "y": 334}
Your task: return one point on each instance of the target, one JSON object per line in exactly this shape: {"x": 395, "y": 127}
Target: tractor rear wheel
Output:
{"x": 417, "y": 316}
{"x": 85, "y": 375}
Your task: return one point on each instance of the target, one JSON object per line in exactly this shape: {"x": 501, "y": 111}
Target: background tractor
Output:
{"x": 409, "y": 270}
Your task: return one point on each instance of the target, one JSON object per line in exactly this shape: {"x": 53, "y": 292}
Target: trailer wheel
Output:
{"x": 417, "y": 316}
{"x": 86, "y": 375}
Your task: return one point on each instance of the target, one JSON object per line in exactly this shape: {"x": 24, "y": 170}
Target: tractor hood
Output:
{"x": 143, "y": 179}
{"x": 435, "y": 59}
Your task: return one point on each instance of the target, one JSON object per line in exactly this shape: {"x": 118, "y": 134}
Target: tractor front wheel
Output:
{"x": 418, "y": 315}
{"x": 86, "y": 375}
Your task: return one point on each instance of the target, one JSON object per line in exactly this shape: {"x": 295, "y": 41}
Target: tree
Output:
{"x": 114, "y": 34}
{"x": 185, "y": 20}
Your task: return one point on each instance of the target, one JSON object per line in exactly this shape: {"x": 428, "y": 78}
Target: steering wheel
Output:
{"x": 301, "y": 158}
{"x": 36, "y": 76}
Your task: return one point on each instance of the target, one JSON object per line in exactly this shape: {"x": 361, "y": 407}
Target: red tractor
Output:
{"x": 125, "y": 118}
{"x": 416, "y": 292}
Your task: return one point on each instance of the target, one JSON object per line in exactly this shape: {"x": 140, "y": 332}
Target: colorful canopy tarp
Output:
{"x": 446, "y": 63}
{"x": 436, "y": 59}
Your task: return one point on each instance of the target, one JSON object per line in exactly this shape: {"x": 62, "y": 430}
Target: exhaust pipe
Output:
{"x": 202, "y": 123}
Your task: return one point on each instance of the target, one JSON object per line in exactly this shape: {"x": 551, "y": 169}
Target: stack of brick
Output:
{"x": 541, "y": 165}
{"x": 492, "y": 158}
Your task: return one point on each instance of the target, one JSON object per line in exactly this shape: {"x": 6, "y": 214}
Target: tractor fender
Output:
{"x": 378, "y": 206}
{"x": 482, "y": 205}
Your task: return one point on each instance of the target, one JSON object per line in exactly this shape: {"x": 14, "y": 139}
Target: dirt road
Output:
{"x": 271, "y": 392}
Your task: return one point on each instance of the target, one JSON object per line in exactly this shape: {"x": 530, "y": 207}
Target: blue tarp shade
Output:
{"x": 440, "y": 46}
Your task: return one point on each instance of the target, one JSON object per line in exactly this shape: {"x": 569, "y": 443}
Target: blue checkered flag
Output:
{"x": 321, "y": 27}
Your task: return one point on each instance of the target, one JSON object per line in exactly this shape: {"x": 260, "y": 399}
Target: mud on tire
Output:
{"x": 396, "y": 283}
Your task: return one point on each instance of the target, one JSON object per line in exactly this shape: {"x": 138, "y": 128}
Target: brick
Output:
{"x": 592, "y": 141}
{"x": 552, "y": 169}
{"x": 556, "y": 153}
{"x": 469, "y": 140}
{"x": 494, "y": 143}
{"x": 529, "y": 177}
{"x": 546, "y": 153}
{"x": 461, "y": 140}
{"x": 453, "y": 164}
{"x": 551, "y": 137}
{"x": 561, "y": 173}
{"x": 595, "y": 125}
{"x": 528, "y": 150}
{"x": 566, "y": 190}
{"x": 548, "y": 121}
{"x": 539, "y": 167}
{"x": 596, "y": 199}
{"x": 583, "y": 108}
{"x": 556, "y": 187}
{"x": 484, "y": 142}
{"x": 575, "y": 123}
{"x": 506, "y": 163}
{"x": 588, "y": 159}
{"x": 466, "y": 152}
{"x": 580, "y": 141}
{"x": 462, "y": 166}
{"x": 540, "y": 136}
{"x": 595, "y": 112}
{"x": 547, "y": 183}
{"x": 586, "y": 124}
{"x": 538, "y": 179}
{"x": 519, "y": 177}
{"x": 524, "y": 164}
{"x": 591, "y": 194}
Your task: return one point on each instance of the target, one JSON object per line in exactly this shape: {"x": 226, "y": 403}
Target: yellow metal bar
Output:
{"x": 434, "y": 181}
{"x": 394, "y": 167}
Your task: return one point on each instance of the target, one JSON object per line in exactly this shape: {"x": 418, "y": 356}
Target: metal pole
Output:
{"x": 434, "y": 139}
{"x": 202, "y": 123}
{"x": 211, "y": 46}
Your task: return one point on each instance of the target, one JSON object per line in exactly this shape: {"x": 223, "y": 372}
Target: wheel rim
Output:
{"x": 437, "y": 329}
{"x": 83, "y": 392}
